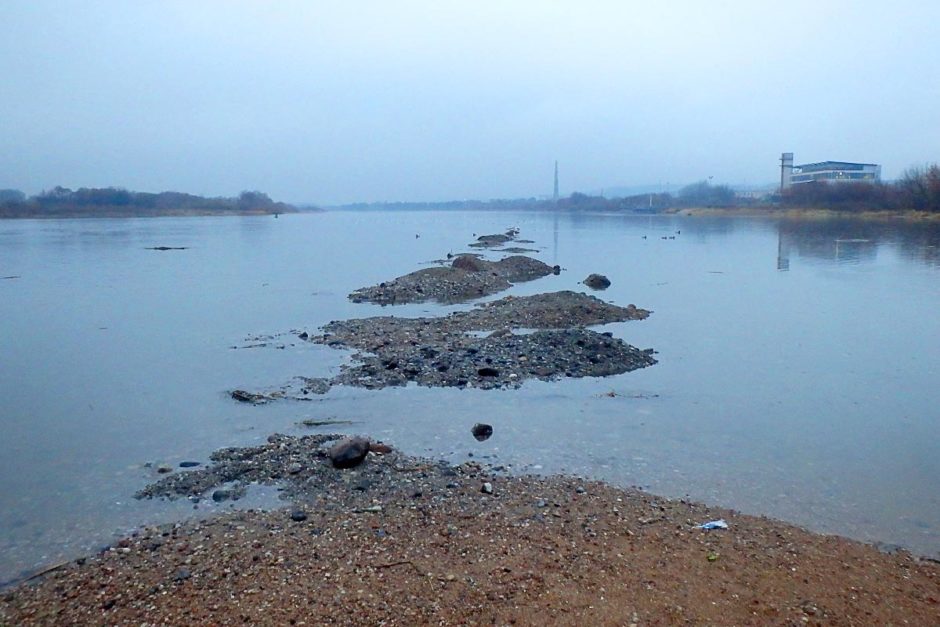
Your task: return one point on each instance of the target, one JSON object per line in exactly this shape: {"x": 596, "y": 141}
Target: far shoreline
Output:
{"x": 751, "y": 212}
{"x": 802, "y": 213}
{"x": 125, "y": 215}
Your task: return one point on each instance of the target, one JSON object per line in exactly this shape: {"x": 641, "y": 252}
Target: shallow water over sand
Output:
{"x": 796, "y": 377}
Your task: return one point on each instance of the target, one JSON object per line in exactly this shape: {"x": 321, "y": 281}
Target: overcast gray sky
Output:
{"x": 387, "y": 100}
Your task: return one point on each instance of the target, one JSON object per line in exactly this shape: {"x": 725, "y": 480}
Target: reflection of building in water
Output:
{"x": 856, "y": 241}
{"x": 839, "y": 241}
{"x": 783, "y": 250}
{"x": 836, "y": 249}
{"x": 855, "y": 250}
{"x": 555, "y": 239}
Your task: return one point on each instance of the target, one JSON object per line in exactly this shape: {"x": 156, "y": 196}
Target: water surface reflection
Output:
{"x": 808, "y": 394}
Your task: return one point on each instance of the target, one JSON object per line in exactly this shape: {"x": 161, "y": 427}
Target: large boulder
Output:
{"x": 349, "y": 452}
{"x": 481, "y": 431}
{"x": 597, "y": 282}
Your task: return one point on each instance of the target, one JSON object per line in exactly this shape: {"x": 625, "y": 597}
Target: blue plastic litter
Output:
{"x": 714, "y": 524}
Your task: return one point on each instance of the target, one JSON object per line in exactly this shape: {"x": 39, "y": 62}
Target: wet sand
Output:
{"x": 424, "y": 543}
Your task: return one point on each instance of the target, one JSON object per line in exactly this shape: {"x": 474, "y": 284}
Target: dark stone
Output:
{"x": 349, "y": 452}
{"x": 188, "y": 464}
{"x": 221, "y": 495}
{"x": 298, "y": 515}
{"x": 380, "y": 448}
{"x": 481, "y": 431}
{"x": 303, "y": 335}
{"x": 488, "y": 372}
{"x": 597, "y": 282}
{"x": 316, "y": 385}
{"x": 556, "y": 270}
{"x": 248, "y": 397}
{"x": 163, "y": 469}
{"x": 470, "y": 263}
{"x": 182, "y": 575}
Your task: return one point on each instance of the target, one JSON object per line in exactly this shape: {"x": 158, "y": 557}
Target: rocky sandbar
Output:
{"x": 499, "y": 344}
{"x": 467, "y": 278}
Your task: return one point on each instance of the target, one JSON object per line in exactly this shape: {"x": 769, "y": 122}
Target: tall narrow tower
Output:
{"x": 555, "y": 195}
{"x": 786, "y": 170}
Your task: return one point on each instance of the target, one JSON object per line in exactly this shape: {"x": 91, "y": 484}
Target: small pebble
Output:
{"x": 298, "y": 515}
{"x": 487, "y": 488}
{"x": 182, "y": 574}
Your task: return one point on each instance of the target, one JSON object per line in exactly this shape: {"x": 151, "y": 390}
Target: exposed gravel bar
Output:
{"x": 497, "y": 239}
{"x": 406, "y": 541}
{"x": 467, "y": 278}
{"x": 445, "y": 351}
{"x": 302, "y": 466}
{"x": 499, "y": 344}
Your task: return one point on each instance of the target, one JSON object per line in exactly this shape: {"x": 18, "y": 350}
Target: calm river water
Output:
{"x": 797, "y": 375}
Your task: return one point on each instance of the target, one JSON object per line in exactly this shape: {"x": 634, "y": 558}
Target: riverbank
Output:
{"x": 400, "y": 540}
{"x": 132, "y": 213}
{"x": 804, "y": 213}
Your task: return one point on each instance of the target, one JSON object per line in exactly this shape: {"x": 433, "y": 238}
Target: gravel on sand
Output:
{"x": 430, "y": 546}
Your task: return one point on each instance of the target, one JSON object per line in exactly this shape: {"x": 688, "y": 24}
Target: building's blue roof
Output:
{"x": 836, "y": 165}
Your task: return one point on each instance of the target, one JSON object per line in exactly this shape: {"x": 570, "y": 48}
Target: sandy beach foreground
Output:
{"x": 403, "y": 541}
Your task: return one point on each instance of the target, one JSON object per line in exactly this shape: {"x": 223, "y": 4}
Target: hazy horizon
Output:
{"x": 419, "y": 101}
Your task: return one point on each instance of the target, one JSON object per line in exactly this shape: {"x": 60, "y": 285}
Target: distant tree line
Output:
{"x": 495, "y": 203}
{"x": 115, "y": 201}
{"x": 917, "y": 189}
{"x": 11, "y": 196}
{"x": 699, "y": 194}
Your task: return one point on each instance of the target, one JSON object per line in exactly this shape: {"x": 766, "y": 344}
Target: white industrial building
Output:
{"x": 827, "y": 171}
